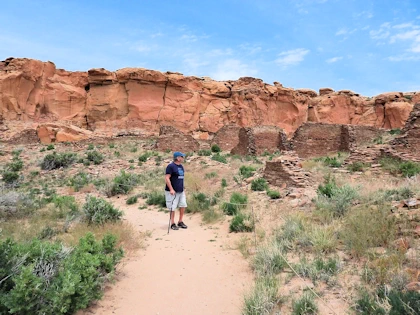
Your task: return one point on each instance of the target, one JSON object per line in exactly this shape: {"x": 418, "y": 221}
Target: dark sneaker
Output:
{"x": 182, "y": 225}
{"x": 174, "y": 227}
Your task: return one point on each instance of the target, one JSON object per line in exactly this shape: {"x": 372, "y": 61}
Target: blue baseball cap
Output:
{"x": 176, "y": 154}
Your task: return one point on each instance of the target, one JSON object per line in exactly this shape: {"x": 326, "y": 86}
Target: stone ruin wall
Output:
{"x": 227, "y": 137}
{"x": 409, "y": 141}
{"x": 319, "y": 139}
{"x": 174, "y": 140}
{"x": 257, "y": 140}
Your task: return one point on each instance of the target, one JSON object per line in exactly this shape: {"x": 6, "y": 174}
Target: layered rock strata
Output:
{"x": 140, "y": 99}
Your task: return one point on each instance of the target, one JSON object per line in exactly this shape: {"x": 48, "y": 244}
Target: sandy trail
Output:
{"x": 189, "y": 271}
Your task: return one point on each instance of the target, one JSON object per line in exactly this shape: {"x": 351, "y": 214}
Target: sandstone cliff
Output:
{"x": 99, "y": 100}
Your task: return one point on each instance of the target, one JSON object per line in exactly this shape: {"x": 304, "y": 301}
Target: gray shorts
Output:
{"x": 175, "y": 201}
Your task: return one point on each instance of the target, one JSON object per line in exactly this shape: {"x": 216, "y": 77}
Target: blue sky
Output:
{"x": 366, "y": 46}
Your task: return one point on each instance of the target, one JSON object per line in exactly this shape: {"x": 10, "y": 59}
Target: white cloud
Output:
{"x": 364, "y": 14}
{"x": 410, "y": 35}
{"x": 250, "y": 49}
{"x": 189, "y": 38}
{"x": 334, "y": 59}
{"x": 345, "y": 31}
{"x": 405, "y": 25}
{"x": 142, "y": 48}
{"x": 220, "y": 52}
{"x": 404, "y": 57}
{"x": 232, "y": 69}
{"x": 291, "y": 57}
{"x": 159, "y": 34}
{"x": 379, "y": 34}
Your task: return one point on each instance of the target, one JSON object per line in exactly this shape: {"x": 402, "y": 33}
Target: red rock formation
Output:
{"x": 135, "y": 98}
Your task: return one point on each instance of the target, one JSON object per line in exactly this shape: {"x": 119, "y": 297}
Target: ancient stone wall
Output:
{"x": 174, "y": 140}
{"x": 318, "y": 139}
{"x": 363, "y": 135}
{"x": 257, "y": 140}
{"x": 409, "y": 141}
{"x": 227, "y": 137}
{"x": 286, "y": 171}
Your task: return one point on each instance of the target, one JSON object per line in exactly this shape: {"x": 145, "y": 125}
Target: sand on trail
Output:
{"x": 189, "y": 271}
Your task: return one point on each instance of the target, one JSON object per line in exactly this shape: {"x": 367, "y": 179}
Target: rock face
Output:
{"x": 171, "y": 139}
{"x": 227, "y": 137}
{"x": 139, "y": 99}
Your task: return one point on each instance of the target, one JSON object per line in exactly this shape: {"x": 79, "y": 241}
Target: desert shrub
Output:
{"x": 237, "y": 202}
{"x": 10, "y": 177}
{"x": 132, "y": 200}
{"x": 318, "y": 269}
{"x": 91, "y": 146}
{"x": 368, "y": 227}
{"x": 95, "y": 156}
{"x": 204, "y": 152}
{"x": 57, "y": 160}
{"x": 357, "y": 166}
{"x": 123, "y": 183}
{"x": 409, "y": 169}
{"x": 16, "y": 204}
{"x": 145, "y": 156}
{"x": 65, "y": 205}
{"x": 262, "y": 298}
{"x": 78, "y": 181}
{"x": 99, "y": 211}
{"x": 50, "y": 147}
{"x": 224, "y": 183}
{"x": 268, "y": 260}
{"x": 246, "y": 171}
{"x": 335, "y": 200}
{"x": 15, "y": 165}
{"x": 327, "y": 188}
{"x": 395, "y": 131}
{"x": 395, "y": 194}
{"x": 290, "y": 230}
{"x": 215, "y": 148}
{"x": 156, "y": 198}
{"x": 273, "y": 194}
{"x": 305, "y": 305}
{"x": 219, "y": 158}
{"x": 241, "y": 223}
{"x": 47, "y": 233}
{"x": 49, "y": 278}
{"x": 259, "y": 184}
{"x": 198, "y": 202}
{"x": 210, "y": 175}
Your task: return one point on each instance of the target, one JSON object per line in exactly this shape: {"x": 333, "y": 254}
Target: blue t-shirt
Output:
{"x": 177, "y": 177}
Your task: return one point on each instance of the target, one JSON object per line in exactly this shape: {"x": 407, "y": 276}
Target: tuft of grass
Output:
{"x": 367, "y": 227}
{"x": 305, "y": 305}
{"x": 210, "y": 175}
{"x": 262, "y": 298}
{"x": 323, "y": 239}
{"x": 396, "y": 166}
{"x": 132, "y": 200}
{"x": 219, "y": 158}
{"x": 357, "y": 166}
{"x": 123, "y": 183}
{"x": 198, "y": 202}
{"x": 268, "y": 260}
{"x": 204, "y": 152}
{"x": 79, "y": 180}
{"x": 211, "y": 215}
{"x": 318, "y": 269}
{"x": 156, "y": 198}
{"x": 246, "y": 171}
{"x": 95, "y": 156}
{"x": 273, "y": 194}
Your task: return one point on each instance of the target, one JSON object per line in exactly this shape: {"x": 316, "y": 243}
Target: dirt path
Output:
{"x": 186, "y": 272}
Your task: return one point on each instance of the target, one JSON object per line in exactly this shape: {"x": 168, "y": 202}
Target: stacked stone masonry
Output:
{"x": 409, "y": 141}
{"x": 319, "y": 139}
{"x": 286, "y": 170}
{"x": 257, "y": 140}
{"x": 227, "y": 137}
{"x": 174, "y": 140}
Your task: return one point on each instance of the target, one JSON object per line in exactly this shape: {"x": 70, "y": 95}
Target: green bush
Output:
{"x": 123, "y": 183}
{"x": 95, "y": 156}
{"x": 50, "y": 147}
{"x": 340, "y": 201}
{"x": 409, "y": 169}
{"x": 58, "y": 160}
{"x": 91, "y": 146}
{"x": 396, "y": 166}
{"x": 246, "y": 171}
{"x": 145, "y": 156}
{"x": 259, "y": 184}
{"x": 78, "y": 181}
{"x": 99, "y": 211}
{"x": 15, "y": 166}
{"x": 241, "y": 223}
{"x": 237, "y": 202}
{"x": 224, "y": 183}
{"x": 156, "y": 198}
{"x": 198, "y": 203}
{"x": 219, "y": 158}
{"x": 357, "y": 166}
{"x": 210, "y": 175}
{"x": 268, "y": 260}
{"x": 273, "y": 194}
{"x": 66, "y": 205}
{"x": 215, "y": 148}
{"x": 395, "y": 131}
{"x": 10, "y": 177}
{"x": 328, "y": 187}
{"x": 204, "y": 152}
{"x": 53, "y": 279}
{"x": 263, "y": 297}
{"x": 132, "y": 200}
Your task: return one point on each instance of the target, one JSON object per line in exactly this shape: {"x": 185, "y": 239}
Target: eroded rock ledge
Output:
{"x": 34, "y": 92}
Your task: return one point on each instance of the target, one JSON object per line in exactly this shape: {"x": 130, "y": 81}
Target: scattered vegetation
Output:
{"x": 395, "y": 167}
{"x": 259, "y": 184}
{"x": 58, "y": 160}
{"x": 236, "y": 203}
{"x": 99, "y": 211}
